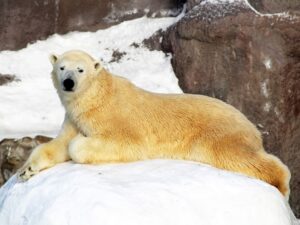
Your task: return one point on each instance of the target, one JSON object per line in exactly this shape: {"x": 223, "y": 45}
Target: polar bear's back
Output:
{"x": 175, "y": 116}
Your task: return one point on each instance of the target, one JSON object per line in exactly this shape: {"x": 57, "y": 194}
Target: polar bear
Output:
{"x": 108, "y": 119}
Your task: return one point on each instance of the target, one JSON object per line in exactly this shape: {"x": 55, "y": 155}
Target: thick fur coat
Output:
{"x": 108, "y": 119}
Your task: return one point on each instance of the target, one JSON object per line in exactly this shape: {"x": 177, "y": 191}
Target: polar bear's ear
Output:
{"x": 97, "y": 66}
{"x": 53, "y": 58}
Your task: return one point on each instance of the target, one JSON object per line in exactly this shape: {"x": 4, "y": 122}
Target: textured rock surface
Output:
{"x": 154, "y": 42}
{"x": 13, "y": 154}
{"x": 276, "y": 6}
{"x": 250, "y": 61}
{"x": 191, "y": 3}
{"x": 23, "y": 22}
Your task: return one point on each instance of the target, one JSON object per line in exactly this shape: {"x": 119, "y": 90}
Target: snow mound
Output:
{"x": 141, "y": 193}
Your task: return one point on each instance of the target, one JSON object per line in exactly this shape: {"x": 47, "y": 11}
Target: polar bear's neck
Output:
{"x": 90, "y": 102}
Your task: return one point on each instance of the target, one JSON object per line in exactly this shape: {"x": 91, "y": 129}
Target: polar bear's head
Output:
{"x": 73, "y": 70}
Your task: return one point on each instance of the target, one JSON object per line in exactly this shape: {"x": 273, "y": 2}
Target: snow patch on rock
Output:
{"x": 264, "y": 88}
{"x": 215, "y": 9}
{"x": 267, "y": 106}
{"x": 268, "y": 63}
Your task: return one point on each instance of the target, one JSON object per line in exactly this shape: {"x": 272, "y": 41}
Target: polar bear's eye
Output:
{"x": 80, "y": 70}
{"x": 62, "y": 68}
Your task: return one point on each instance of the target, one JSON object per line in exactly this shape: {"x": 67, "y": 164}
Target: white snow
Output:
{"x": 268, "y": 63}
{"x": 264, "y": 88}
{"x": 267, "y": 106}
{"x": 156, "y": 192}
{"x": 31, "y": 106}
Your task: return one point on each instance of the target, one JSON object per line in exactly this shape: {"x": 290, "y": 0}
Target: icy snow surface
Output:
{"x": 31, "y": 106}
{"x": 159, "y": 192}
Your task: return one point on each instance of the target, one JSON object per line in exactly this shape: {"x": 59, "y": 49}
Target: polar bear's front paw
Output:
{"x": 27, "y": 172}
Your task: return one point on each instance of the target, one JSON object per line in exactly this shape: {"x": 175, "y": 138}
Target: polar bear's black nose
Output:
{"x": 68, "y": 84}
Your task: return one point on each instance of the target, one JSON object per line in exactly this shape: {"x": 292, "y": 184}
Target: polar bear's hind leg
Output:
{"x": 260, "y": 165}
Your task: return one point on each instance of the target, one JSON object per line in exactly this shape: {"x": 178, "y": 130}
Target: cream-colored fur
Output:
{"x": 108, "y": 119}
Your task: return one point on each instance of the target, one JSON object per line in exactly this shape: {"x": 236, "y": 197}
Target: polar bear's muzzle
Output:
{"x": 68, "y": 83}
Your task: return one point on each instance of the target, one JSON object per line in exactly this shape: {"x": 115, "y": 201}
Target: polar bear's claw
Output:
{"x": 26, "y": 173}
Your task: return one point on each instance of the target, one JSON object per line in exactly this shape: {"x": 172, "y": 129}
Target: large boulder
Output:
{"x": 156, "y": 192}
{"x": 23, "y": 22}
{"x": 251, "y": 61}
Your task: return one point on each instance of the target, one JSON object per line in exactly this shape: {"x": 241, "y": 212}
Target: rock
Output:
{"x": 156, "y": 192}
{"x": 154, "y": 42}
{"x": 117, "y": 56}
{"x": 276, "y": 6}
{"x": 23, "y": 22}
{"x": 14, "y": 153}
{"x": 6, "y": 78}
{"x": 229, "y": 52}
{"x": 191, "y": 3}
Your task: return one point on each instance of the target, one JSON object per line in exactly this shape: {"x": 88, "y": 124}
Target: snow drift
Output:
{"x": 148, "y": 192}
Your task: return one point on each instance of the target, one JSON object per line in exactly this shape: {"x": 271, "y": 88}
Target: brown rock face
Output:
{"x": 14, "y": 153}
{"x": 276, "y": 6}
{"x": 154, "y": 42}
{"x": 22, "y": 22}
{"x": 250, "y": 61}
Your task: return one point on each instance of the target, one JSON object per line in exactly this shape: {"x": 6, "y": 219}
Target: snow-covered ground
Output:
{"x": 156, "y": 192}
{"x": 31, "y": 106}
